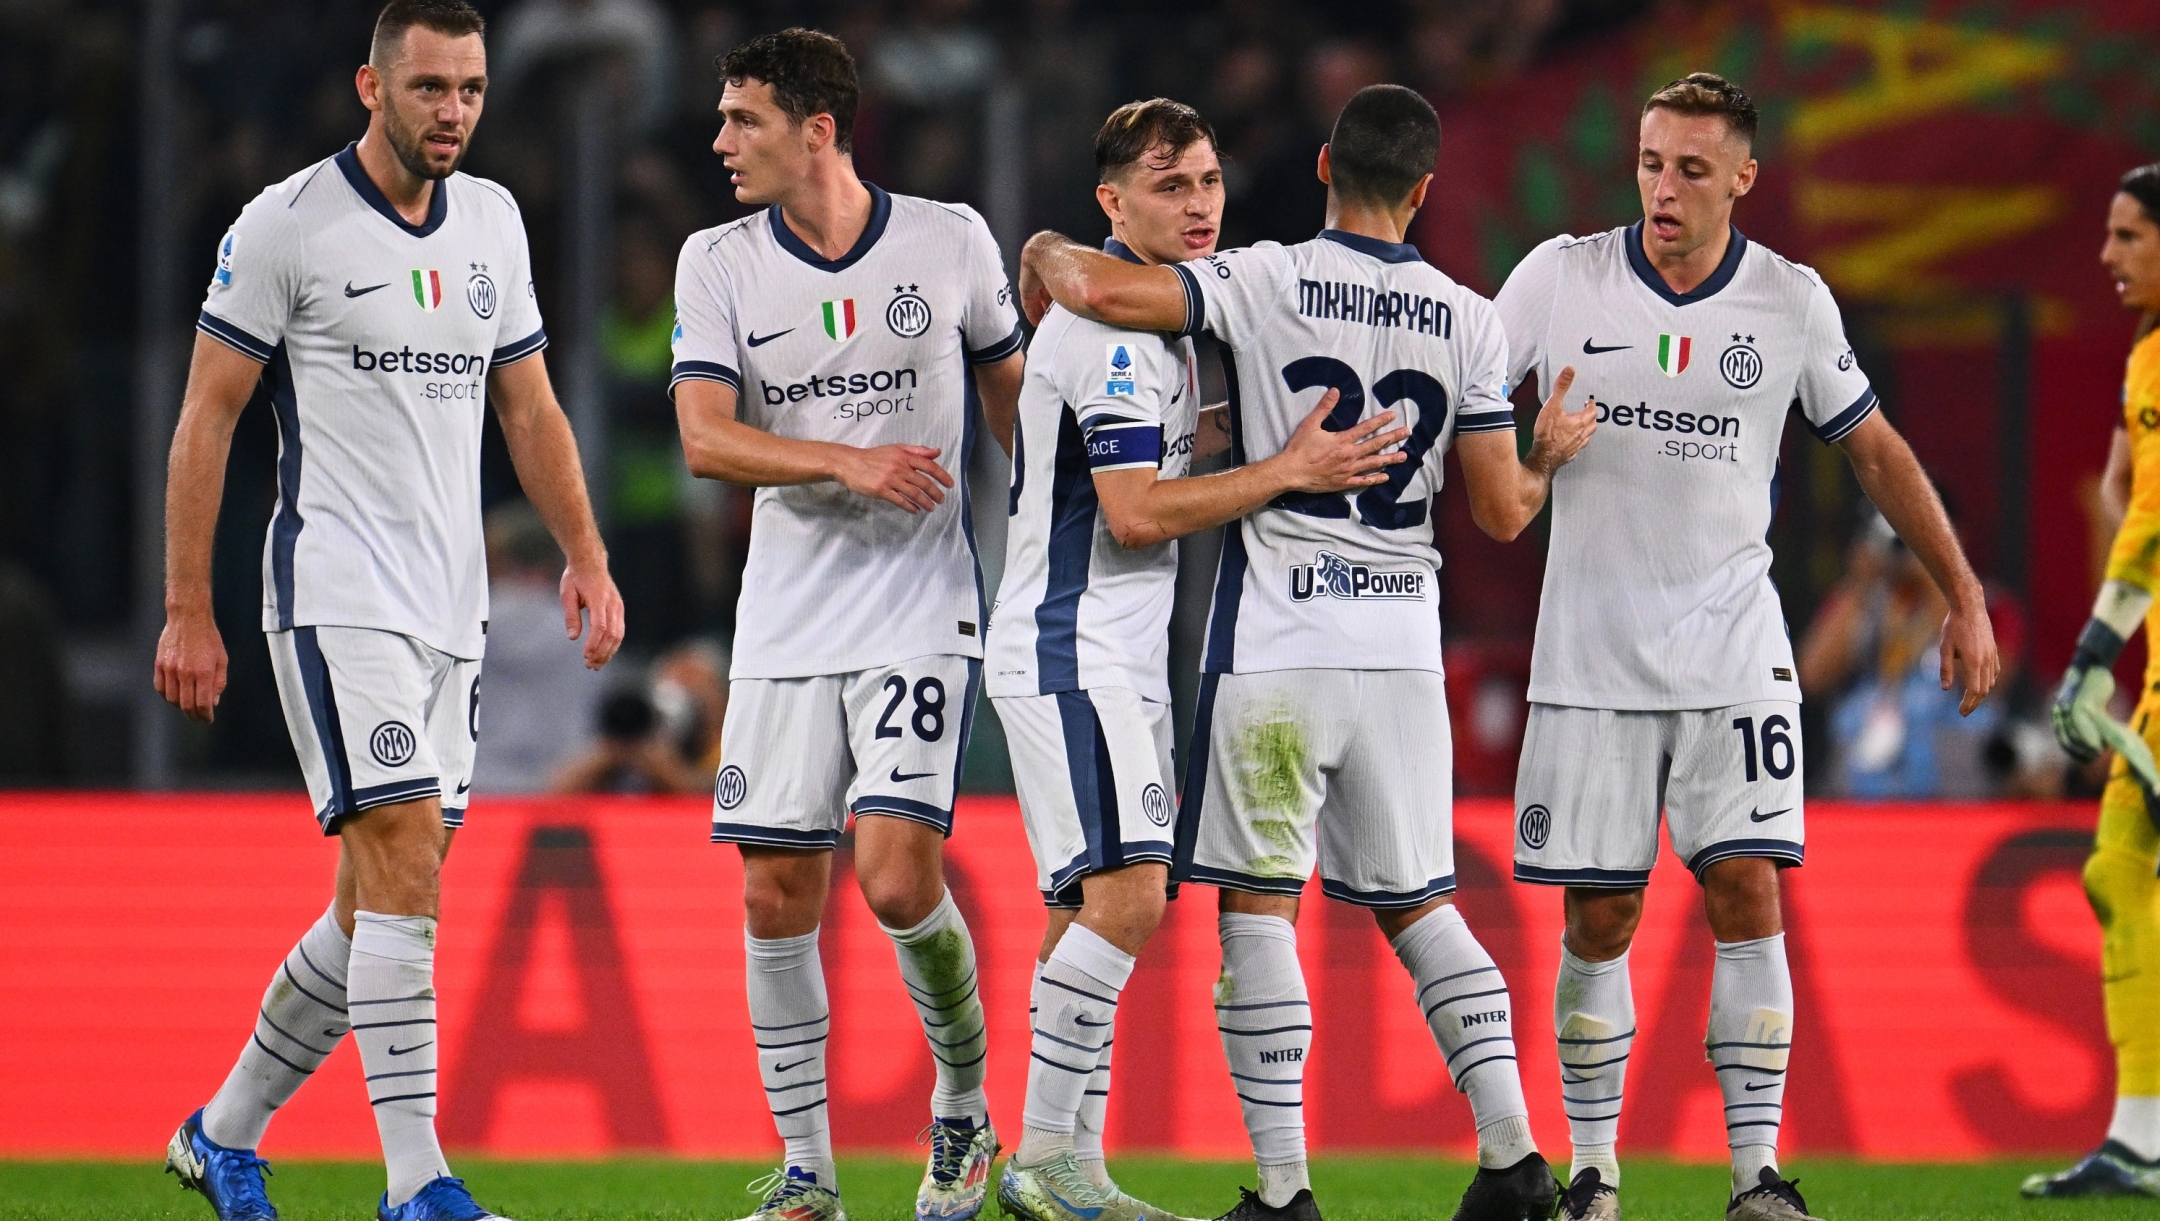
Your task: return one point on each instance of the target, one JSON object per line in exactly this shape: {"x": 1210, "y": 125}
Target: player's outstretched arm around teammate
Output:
{"x": 544, "y": 451}
{"x": 1892, "y": 478}
{"x": 1506, "y": 492}
{"x": 1098, "y": 285}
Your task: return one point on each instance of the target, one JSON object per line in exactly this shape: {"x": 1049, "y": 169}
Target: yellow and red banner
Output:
{"x": 591, "y": 976}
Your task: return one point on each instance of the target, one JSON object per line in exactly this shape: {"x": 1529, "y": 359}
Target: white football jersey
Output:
{"x": 872, "y": 348}
{"x": 378, "y": 335}
{"x": 1657, "y": 583}
{"x": 1077, "y": 609}
{"x": 1344, "y": 581}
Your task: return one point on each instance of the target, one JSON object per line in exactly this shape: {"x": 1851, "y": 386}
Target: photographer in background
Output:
{"x": 659, "y": 736}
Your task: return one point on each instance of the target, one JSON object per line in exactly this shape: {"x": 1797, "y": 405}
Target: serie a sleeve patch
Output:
{"x": 1123, "y": 368}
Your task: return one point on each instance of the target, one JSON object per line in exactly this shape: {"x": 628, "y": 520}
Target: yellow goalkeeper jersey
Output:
{"x": 2135, "y": 557}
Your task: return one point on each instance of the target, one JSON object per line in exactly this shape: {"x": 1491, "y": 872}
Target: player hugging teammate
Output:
{"x": 835, "y": 351}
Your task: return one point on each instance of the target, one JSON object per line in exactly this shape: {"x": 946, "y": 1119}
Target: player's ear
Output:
{"x": 368, "y": 83}
{"x": 1744, "y": 181}
{"x": 1112, "y": 205}
{"x": 818, "y": 132}
{"x": 1325, "y": 174}
{"x": 1417, "y": 193}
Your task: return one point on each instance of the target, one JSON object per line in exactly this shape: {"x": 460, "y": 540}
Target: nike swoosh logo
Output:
{"x": 332, "y": 1032}
{"x": 399, "y": 1051}
{"x": 781, "y": 1068}
{"x": 1086, "y": 1214}
{"x": 461, "y": 789}
{"x": 1753, "y": 1088}
{"x": 1756, "y": 817}
{"x": 900, "y": 777}
{"x": 350, "y": 291}
{"x": 1081, "y": 1021}
{"x": 756, "y": 340}
{"x": 1590, "y": 347}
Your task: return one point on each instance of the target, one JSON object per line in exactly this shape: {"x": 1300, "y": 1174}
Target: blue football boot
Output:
{"x": 445, "y": 1199}
{"x": 231, "y": 1179}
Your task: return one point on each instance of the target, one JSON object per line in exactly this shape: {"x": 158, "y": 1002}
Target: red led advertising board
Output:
{"x": 591, "y": 976}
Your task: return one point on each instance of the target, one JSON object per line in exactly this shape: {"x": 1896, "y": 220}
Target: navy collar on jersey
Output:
{"x": 348, "y": 161}
{"x": 1113, "y": 246}
{"x": 1701, "y": 292}
{"x": 880, "y": 212}
{"x": 1386, "y": 252}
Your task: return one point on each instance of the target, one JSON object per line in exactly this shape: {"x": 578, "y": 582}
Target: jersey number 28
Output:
{"x": 1380, "y": 505}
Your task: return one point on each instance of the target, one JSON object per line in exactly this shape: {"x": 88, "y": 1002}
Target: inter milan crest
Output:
{"x": 907, "y": 314}
{"x": 480, "y": 294}
{"x": 1741, "y": 364}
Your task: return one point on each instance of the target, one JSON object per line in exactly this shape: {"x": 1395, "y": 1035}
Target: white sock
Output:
{"x": 1467, "y": 1007}
{"x": 391, "y": 990}
{"x": 1075, "y": 1003}
{"x": 1266, "y": 1024}
{"x": 1093, "y": 1118}
{"x": 2136, "y": 1126}
{"x": 937, "y": 962}
{"x": 1594, "y": 1013}
{"x": 790, "y": 1020}
{"x": 301, "y": 1020}
{"x": 1750, "y": 1045}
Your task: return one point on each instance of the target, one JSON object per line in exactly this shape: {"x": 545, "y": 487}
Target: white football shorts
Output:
{"x": 798, "y": 756}
{"x": 1593, "y": 781}
{"x": 377, "y": 718}
{"x": 1095, "y": 777}
{"x": 1352, "y": 770}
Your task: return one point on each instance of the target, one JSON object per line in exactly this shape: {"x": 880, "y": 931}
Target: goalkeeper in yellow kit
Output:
{"x": 2119, "y": 877}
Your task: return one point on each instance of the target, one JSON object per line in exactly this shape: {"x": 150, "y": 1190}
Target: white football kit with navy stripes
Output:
{"x": 1079, "y": 649}
{"x": 1324, "y": 639}
{"x": 840, "y": 590}
{"x": 1663, "y": 676}
{"x": 378, "y": 336}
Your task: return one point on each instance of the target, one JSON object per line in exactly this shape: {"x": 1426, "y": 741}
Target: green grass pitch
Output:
{"x": 883, "y": 1189}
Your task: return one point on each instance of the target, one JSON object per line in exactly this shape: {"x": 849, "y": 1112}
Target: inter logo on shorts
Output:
{"x": 1536, "y": 825}
{"x": 392, "y": 744}
{"x": 839, "y": 318}
{"x": 1155, "y": 804}
{"x": 730, "y": 789}
{"x": 427, "y": 288}
{"x": 1673, "y": 352}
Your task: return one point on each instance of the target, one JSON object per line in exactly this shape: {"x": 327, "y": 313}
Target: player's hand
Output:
{"x": 592, "y": 590}
{"x": 1560, "y": 434}
{"x": 905, "y": 475}
{"x": 1317, "y": 460}
{"x": 1034, "y": 294}
{"x": 1968, "y": 647}
{"x": 2077, "y": 730}
{"x": 190, "y": 668}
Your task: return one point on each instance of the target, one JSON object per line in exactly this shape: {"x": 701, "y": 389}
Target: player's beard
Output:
{"x": 411, "y": 152}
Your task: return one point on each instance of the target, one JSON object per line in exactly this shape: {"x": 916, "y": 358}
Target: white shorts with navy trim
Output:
{"x": 377, "y": 718}
{"x": 799, "y": 756}
{"x": 1352, "y": 770}
{"x": 1592, "y": 783}
{"x": 1095, "y": 778}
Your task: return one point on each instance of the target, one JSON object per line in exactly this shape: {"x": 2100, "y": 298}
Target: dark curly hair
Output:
{"x": 811, "y": 73}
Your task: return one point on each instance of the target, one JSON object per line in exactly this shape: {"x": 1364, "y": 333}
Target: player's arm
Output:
{"x": 2115, "y": 482}
{"x": 1892, "y": 478}
{"x": 1143, "y": 510}
{"x": 718, "y": 446}
{"x": 1211, "y": 434}
{"x": 2126, "y": 594}
{"x": 190, "y": 667}
{"x": 1099, "y": 285}
{"x": 544, "y": 451}
{"x": 998, "y": 385}
{"x": 1506, "y": 491}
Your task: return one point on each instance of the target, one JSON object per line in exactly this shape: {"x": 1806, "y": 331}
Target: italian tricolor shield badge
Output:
{"x": 427, "y": 288}
{"x": 839, "y": 318}
{"x": 1673, "y": 352}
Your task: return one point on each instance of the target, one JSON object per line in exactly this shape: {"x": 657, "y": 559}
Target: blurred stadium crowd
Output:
{"x": 267, "y": 87}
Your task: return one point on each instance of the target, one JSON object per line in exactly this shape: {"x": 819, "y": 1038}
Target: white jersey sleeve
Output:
{"x": 523, "y": 333}
{"x": 707, "y": 347}
{"x": 261, "y": 263}
{"x": 1486, "y": 380}
{"x": 989, "y": 327}
{"x": 1119, "y": 397}
{"x": 1233, "y": 294}
{"x": 1834, "y": 393}
{"x": 1526, "y": 305}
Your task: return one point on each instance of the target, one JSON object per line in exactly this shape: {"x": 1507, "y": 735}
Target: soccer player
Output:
{"x": 829, "y": 351}
{"x": 1322, "y": 732}
{"x": 1662, "y": 677}
{"x": 385, "y": 299}
{"x": 2126, "y": 848}
{"x": 1079, "y": 643}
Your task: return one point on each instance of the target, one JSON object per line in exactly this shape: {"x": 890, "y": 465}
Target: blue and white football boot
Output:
{"x": 445, "y": 1199}
{"x": 957, "y": 1180}
{"x": 2112, "y": 1171}
{"x": 231, "y": 1179}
